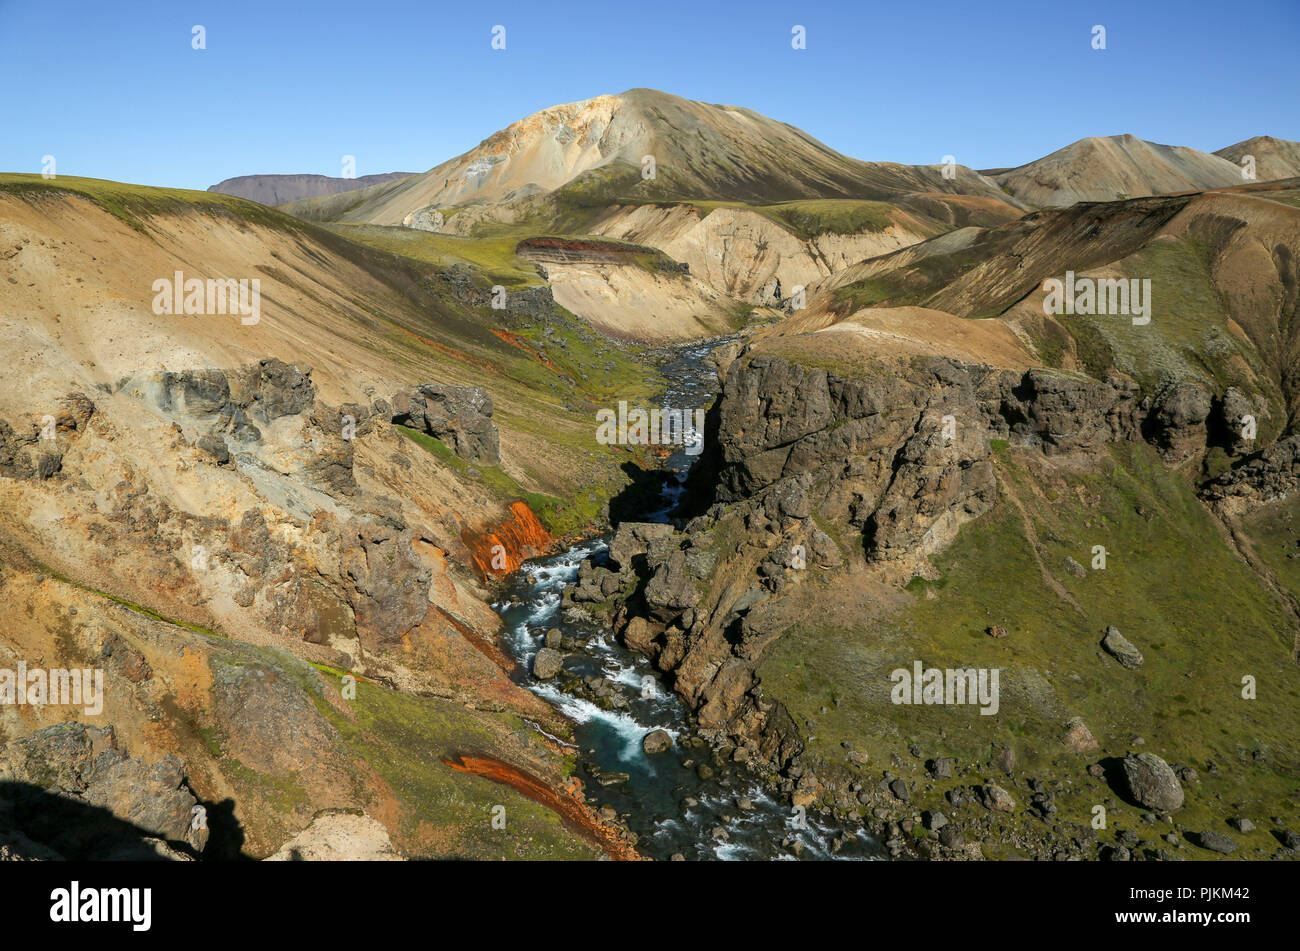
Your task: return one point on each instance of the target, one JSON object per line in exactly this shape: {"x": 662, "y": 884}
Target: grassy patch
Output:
{"x": 494, "y": 256}
{"x": 134, "y": 204}
{"x": 560, "y": 517}
{"x": 446, "y": 814}
{"x": 1165, "y": 563}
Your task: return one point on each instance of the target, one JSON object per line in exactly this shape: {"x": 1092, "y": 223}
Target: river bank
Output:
{"x": 696, "y": 799}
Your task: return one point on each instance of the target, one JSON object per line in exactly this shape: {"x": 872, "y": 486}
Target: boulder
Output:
{"x": 997, "y": 799}
{"x": 656, "y": 741}
{"x": 1078, "y": 737}
{"x": 1151, "y": 782}
{"x": 950, "y": 837}
{"x": 547, "y": 663}
{"x": 1216, "y": 842}
{"x": 73, "y": 790}
{"x": 339, "y": 836}
{"x": 1121, "y": 648}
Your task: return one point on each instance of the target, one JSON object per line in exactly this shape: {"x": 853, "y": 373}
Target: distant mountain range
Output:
{"x": 278, "y": 189}
{"x": 704, "y": 151}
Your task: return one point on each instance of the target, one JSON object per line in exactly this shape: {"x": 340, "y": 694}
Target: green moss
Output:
{"x": 809, "y": 219}
{"x": 495, "y": 257}
{"x": 560, "y": 517}
{"x": 130, "y": 605}
{"x": 404, "y": 739}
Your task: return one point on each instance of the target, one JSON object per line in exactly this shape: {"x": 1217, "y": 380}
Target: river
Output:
{"x": 664, "y": 800}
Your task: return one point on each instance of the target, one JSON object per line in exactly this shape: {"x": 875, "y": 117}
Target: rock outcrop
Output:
{"x": 73, "y": 790}
{"x": 460, "y": 416}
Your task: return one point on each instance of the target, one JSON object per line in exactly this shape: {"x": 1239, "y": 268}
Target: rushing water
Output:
{"x": 729, "y": 815}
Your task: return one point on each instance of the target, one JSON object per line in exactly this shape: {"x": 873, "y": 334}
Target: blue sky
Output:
{"x": 114, "y": 89}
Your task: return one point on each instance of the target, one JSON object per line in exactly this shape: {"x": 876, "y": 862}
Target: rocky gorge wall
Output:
{"x": 814, "y": 472}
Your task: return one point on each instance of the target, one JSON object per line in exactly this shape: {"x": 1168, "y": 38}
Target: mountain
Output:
{"x": 700, "y": 150}
{"x": 1115, "y": 167}
{"x": 278, "y": 189}
{"x": 1274, "y": 158}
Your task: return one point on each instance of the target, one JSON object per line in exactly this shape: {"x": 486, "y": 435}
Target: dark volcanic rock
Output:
{"x": 1271, "y": 475}
{"x": 1216, "y": 842}
{"x": 71, "y": 788}
{"x": 1177, "y": 423}
{"x": 460, "y": 416}
{"x": 283, "y": 390}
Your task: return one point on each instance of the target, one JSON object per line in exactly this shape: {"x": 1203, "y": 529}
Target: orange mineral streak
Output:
{"x": 517, "y": 341}
{"x": 520, "y": 536}
{"x": 567, "y": 803}
{"x": 453, "y": 352}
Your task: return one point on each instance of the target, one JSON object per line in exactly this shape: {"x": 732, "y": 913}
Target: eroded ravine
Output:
{"x": 688, "y": 800}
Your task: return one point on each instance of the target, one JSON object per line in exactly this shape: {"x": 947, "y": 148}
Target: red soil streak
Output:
{"x": 520, "y": 536}
{"x": 453, "y": 353}
{"x": 484, "y": 646}
{"x": 517, "y": 341}
{"x": 568, "y": 804}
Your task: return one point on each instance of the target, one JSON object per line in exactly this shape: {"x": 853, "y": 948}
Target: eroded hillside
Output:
{"x": 230, "y": 512}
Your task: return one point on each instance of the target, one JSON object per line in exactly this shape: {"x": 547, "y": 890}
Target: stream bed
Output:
{"x": 684, "y": 801}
